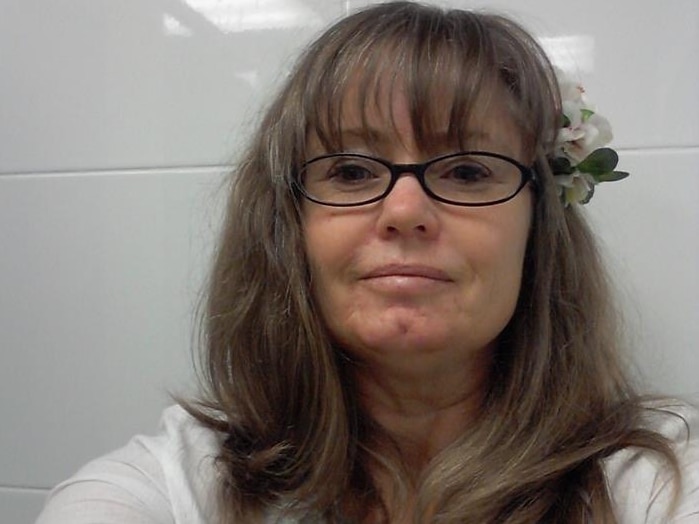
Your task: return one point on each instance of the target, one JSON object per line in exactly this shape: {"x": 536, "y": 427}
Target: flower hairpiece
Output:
{"x": 580, "y": 161}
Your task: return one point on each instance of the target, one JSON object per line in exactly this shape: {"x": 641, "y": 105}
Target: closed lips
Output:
{"x": 408, "y": 271}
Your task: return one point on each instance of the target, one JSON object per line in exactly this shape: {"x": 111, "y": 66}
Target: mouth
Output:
{"x": 407, "y": 271}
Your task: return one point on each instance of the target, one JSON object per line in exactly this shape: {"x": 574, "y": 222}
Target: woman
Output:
{"x": 405, "y": 322}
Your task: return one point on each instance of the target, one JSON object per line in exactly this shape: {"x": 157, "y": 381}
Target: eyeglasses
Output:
{"x": 468, "y": 178}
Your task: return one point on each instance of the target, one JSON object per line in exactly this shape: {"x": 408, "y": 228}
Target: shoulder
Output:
{"x": 642, "y": 485}
{"x": 165, "y": 478}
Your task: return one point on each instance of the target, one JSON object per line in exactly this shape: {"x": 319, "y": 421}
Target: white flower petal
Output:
{"x": 569, "y": 134}
{"x": 572, "y": 111}
{"x": 604, "y": 128}
{"x": 575, "y": 188}
{"x": 565, "y": 180}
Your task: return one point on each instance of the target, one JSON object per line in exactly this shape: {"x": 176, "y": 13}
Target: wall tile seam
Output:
{"x": 26, "y": 490}
{"x": 221, "y": 168}
{"x": 136, "y": 171}
{"x": 659, "y": 149}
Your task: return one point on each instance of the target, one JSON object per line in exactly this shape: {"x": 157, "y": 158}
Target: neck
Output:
{"x": 425, "y": 408}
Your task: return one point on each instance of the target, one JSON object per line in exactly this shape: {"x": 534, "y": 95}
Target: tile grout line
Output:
{"x": 23, "y": 489}
{"x": 664, "y": 149}
{"x": 121, "y": 171}
{"x": 203, "y": 168}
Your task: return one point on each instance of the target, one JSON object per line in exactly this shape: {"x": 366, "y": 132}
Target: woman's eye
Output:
{"x": 467, "y": 173}
{"x": 350, "y": 173}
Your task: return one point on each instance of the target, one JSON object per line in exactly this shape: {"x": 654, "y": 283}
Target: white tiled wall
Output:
{"x": 116, "y": 119}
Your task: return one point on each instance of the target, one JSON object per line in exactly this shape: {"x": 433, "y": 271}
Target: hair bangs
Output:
{"x": 445, "y": 73}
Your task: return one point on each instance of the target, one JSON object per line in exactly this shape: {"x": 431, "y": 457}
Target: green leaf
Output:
{"x": 586, "y": 113}
{"x": 612, "y": 176}
{"x": 561, "y": 166}
{"x": 599, "y": 162}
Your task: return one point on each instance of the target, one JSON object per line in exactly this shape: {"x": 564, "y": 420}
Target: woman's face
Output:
{"x": 409, "y": 276}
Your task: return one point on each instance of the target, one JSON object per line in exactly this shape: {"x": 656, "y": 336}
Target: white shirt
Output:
{"x": 170, "y": 478}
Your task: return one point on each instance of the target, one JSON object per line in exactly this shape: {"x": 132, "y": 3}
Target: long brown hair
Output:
{"x": 294, "y": 436}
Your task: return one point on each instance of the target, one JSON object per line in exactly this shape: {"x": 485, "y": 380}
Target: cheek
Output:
{"x": 492, "y": 292}
{"x": 331, "y": 243}
{"x": 501, "y": 257}
{"x": 512, "y": 251}
{"x": 321, "y": 240}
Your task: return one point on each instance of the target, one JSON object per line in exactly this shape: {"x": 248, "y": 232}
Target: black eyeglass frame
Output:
{"x": 528, "y": 174}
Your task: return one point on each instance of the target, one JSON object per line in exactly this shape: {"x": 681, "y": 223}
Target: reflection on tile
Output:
{"x": 254, "y": 15}
{"x": 574, "y": 53}
{"x": 100, "y": 275}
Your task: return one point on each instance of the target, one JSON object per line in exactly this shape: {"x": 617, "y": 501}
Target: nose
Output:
{"x": 407, "y": 210}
